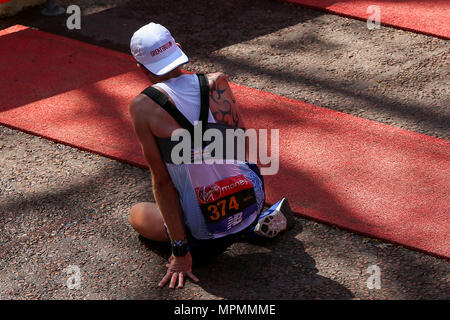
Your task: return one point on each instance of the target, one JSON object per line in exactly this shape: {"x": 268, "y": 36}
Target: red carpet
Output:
{"x": 343, "y": 170}
{"x": 427, "y": 17}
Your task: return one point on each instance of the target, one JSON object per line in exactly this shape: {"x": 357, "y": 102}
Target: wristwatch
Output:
{"x": 180, "y": 248}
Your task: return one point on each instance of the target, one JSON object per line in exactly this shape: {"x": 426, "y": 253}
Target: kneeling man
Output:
{"x": 201, "y": 208}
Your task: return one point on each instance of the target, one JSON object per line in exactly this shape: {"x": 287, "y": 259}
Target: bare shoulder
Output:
{"x": 141, "y": 104}
{"x": 218, "y": 81}
{"x": 148, "y": 113}
{"x": 216, "y": 76}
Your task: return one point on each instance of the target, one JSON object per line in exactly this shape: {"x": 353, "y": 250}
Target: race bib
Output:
{"x": 226, "y": 203}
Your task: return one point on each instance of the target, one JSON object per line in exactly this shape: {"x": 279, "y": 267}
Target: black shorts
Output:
{"x": 205, "y": 251}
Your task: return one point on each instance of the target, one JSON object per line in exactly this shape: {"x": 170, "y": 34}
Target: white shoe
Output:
{"x": 274, "y": 220}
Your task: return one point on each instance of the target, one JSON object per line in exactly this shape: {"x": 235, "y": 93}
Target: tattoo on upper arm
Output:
{"x": 223, "y": 106}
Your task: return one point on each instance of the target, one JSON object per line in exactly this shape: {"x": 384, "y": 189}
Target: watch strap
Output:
{"x": 180, "y": 247}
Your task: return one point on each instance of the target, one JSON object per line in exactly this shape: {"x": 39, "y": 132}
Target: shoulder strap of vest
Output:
{"x": 204, "y": 94}
{"x": 162, "y": 100}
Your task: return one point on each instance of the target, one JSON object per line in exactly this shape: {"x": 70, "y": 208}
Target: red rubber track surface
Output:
{"x": 357, "y": 174}
{"x": 421, "y": 16}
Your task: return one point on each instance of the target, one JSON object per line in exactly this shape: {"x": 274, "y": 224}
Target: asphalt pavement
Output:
{"x": 64, "y": 211}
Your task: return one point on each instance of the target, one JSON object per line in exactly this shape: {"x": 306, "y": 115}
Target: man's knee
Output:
{"x": 147, "y": 221}
{"x": 135, "y": 215}
{"x": 144, "y": 213}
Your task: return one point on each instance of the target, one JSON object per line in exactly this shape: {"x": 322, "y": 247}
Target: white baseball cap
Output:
{"x": 154, "y": 47}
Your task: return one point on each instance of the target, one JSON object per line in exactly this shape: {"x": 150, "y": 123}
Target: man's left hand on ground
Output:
{"x": 178, "y": 268}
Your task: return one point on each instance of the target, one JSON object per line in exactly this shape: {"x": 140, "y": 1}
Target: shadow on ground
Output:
{"x": 270, "y": 269}
{"x": 296, "y": 61}
{"x": 281, "y": 269}
{"x": 78, "y": 215}
{"x": 202, "y": 26}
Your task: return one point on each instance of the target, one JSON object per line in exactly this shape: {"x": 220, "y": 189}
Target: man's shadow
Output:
{"x": 276, "y": 268}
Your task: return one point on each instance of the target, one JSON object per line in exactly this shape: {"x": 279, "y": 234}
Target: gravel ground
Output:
{"x": 61, "y": 207}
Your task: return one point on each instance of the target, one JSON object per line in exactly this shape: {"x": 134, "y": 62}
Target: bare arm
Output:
{"x": 166, "y": 195}
{"x": 142, "y": 111}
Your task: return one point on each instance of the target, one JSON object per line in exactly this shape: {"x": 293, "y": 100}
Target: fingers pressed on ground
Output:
{"x": 180, "y": 280}
{"x": 165, "y": 279}
{"x": 173, "y": 280}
